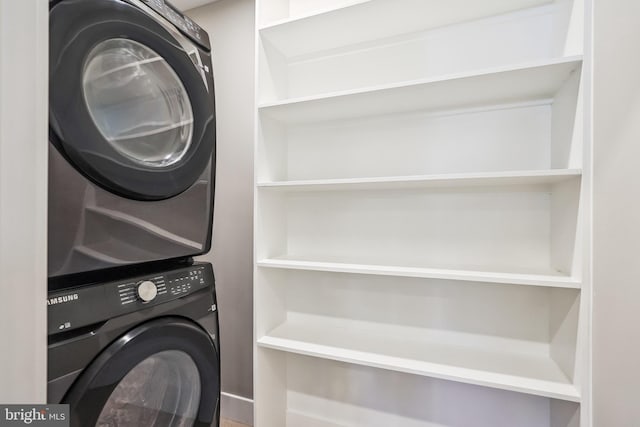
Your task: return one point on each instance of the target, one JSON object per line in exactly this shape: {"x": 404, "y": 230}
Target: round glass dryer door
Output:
{"x": 128, "y": 107}
{"x": 138, "y": 102}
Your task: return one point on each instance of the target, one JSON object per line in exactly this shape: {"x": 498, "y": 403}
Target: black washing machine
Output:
{"x": 139, "y": 352}
{"x": 132, "y": 136}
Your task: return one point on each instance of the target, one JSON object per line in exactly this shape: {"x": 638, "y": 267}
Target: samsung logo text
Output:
{"x": 63, "y": 299}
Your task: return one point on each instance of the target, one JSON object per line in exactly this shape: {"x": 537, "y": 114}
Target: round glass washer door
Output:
{"x": 137, "y": 102}
{"x": 162, "y": 390}
{"x": 164, "y": 372}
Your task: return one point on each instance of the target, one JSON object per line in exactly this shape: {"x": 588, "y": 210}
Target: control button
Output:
{"x": 147, "y": 291}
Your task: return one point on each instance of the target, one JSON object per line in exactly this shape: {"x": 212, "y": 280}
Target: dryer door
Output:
{"x": 129, "y": 108}
{"x": 162, "y": 373}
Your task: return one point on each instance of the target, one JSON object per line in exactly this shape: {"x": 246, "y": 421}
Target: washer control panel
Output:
{"x": 73, "y": 308}
{"x": 142, "y": 290}
{"x": 183, "y": 282}
{"x": 173, "y": 284}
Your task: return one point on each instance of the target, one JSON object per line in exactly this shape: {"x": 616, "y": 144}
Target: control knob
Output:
{"x": 147, "y": 290}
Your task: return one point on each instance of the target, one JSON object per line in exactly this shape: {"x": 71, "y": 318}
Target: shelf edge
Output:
{"x": 425, "y": 273}
{"x": 459, "y": 179}
{"x": 431, "y": 370}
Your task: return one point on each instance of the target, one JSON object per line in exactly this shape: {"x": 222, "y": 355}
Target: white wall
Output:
{"x": 616, "y": 214}
{"x": 230, "y": 24}
{"x": 23, "y": 200}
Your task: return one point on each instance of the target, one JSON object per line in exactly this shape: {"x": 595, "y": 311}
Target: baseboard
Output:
{"x": 236, "y": 408}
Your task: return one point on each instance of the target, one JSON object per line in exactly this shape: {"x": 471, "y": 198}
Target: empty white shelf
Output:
{"x": 323, "y": 29}
{"x": 535, "y": 81}
{"x": 550, "y": 279}
{"x": 419, "y": 213}
{"x": 516, "y": 178}
{"x": 502, "y": 363}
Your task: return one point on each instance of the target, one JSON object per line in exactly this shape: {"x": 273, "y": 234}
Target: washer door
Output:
{"x": 128, "y": 106}
{"x": 162, "y": 373}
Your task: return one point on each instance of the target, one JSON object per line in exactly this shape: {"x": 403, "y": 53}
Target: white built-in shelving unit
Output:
{"x": 420, "y": 219}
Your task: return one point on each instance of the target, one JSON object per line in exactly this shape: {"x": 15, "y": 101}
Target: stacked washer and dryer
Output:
{"x": 133, "y": 326}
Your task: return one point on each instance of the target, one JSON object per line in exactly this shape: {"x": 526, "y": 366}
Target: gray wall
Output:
{"x": 616, "y": 214}
{"x": 230, "y": 24}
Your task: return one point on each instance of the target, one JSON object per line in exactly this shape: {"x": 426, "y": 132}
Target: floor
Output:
{"x": 228, "y": 423}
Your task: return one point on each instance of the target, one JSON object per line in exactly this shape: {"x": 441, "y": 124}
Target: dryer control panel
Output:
{"x": 180, "y": 21}
{"x": 73, "y": 308}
